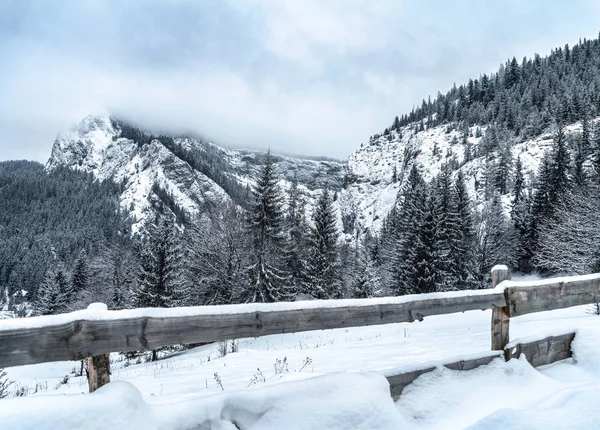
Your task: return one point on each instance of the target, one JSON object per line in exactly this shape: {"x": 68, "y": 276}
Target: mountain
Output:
{"x": 183, "y": 174}
{"x": 506, "y": 133}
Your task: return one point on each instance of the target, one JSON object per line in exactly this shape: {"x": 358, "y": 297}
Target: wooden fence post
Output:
{"x": 98, "y": 371}
{"x": 500, "y": 316}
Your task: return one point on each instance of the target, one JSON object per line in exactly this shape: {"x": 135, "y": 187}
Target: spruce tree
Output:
{"x": 519, "y": 181}
{"x": 559, "y": 176}
{"x": 267, "y": 282}
{"x": 596, "y": 151}
{"x": 404, "y": 231}
{"x": 463, "y": 237}
{"x": 323, "y": 265}
{"x": 542, "y": 200}
{"x": 495, "y": 245}
{"x": 502, "y": 170}
{"x": 54, "y": 294}
{"x": 366, "y": 282}
{"x": 426, "y": 275}
{"x": 80, "y": 276}
{"x": 448, "y": 227}
{"x": 586, "y": 135}
{"x": 579, "y": 174}
{"x": 521, "y": 219}
{"x": 161, "y": 283}
{"x": 296, "y": 227}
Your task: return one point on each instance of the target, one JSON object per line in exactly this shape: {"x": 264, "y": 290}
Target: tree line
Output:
{"x": 265, "y": 252}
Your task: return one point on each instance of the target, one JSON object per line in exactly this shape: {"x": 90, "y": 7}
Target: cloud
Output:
{"x": 311, "y": 77}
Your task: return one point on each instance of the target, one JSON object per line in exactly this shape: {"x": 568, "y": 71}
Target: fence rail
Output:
{"x": 75, "y": 336}
{"x": 538, "y": 353}
{"x": 57, "y": 340}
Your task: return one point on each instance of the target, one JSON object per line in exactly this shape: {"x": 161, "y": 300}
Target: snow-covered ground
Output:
{"x": 289, "y": 381}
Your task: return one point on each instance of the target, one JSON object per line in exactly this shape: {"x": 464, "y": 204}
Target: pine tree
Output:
{"x": 80, "y": 276}
{"x": 542, "y": 200}
{"x": 323, "y": 266}
{"x": 586, "y": 135}
{"x": 519, "y": 182}
{"x": 296, "y": 226}
{"x": 366, "y": 283}
{"x": 579, "y": 174}
{"x": 521, "y": 218}
{"x": 54, "y": 294}
{"x": 463, "y": 237}
{"x": 596, "y": 150}
{"x": 404, "y": 230}
{"x": 495, "y": 243}
{"x": 559, "y": 176}
{"x": 447, "y": 229}
{"x": 161, "y": 284}
{"x": 502, "y": 171}
{"x": 426, "y": 276}
{"x": 266, "y": 280}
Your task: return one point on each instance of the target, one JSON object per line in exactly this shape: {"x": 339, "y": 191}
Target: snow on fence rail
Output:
{"x": 94, "y": 333}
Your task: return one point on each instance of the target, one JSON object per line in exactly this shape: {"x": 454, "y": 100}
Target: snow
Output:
{"x": 179, "y": 391}
{"x": 338, "y": 402}
{"x": 498, "y": 267}
{"x": 541, "y": 282}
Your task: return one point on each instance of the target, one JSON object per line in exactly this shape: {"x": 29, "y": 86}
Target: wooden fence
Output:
{"x": 79, "y": 336}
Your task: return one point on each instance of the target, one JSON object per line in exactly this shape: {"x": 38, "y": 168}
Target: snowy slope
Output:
{"x": 96, "y": 146}
{"x": 371, "y": 192}
{"x": 364, "y": 184}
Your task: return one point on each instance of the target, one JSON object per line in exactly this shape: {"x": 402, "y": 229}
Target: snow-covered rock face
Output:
{"x": 371, "y": 191}
{"x": 365, "y": 184}
{"x": 96, "y": 146}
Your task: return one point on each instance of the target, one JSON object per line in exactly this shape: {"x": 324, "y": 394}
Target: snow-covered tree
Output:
{"x": 115, "y": 272}
{"x": 217, "y": 255}
{"x": 568, "y": 242}
{"x": 405, "y": 231}
{"x": 366, "y": 282}
{"x": 54, "y": 294}
{"x": 495, "y": 239}
{"x": 80, "y": 275}
{"x": 322, "y": 278}
{"x": 266, "y": 280}
{"x": 161, "y": 283}
{"x": 296, "y": 229}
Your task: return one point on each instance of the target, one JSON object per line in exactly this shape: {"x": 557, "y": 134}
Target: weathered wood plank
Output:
{"x": 98, "y": 371}
{"x": 79, "y": 339}
{"x": 544, "y": 351}
{"x": 538, "y": 353}
{"x": 500, "y": 319}
{"x": 400, "y": 381}
{"x": 553, "y": 294}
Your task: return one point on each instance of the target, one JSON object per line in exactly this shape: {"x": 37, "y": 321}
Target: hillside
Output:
{"x": 186, "y": 174}
{"x": 51, "y": 218}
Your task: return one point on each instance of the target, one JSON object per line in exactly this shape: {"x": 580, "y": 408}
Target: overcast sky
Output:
{"x": 301, "y": 76}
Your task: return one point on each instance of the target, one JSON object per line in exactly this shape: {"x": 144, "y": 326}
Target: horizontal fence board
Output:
{"x": 553, "y": 294}
{"x": 400, "y": 381}
{"x": 544, "y": 351}
{"x": 78, "y": 339}
{"x": 538, "y": 353}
